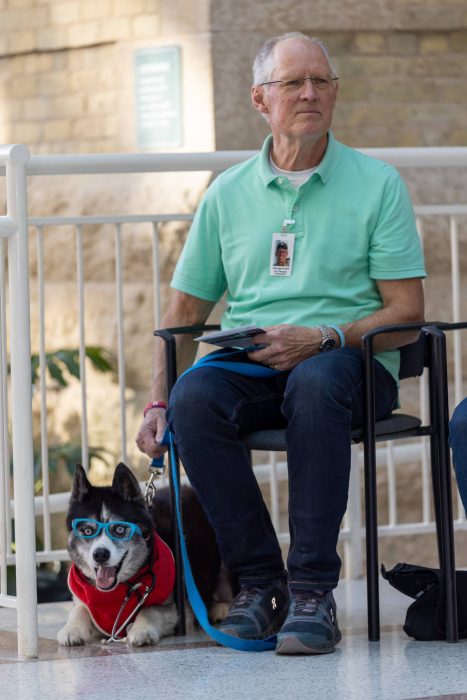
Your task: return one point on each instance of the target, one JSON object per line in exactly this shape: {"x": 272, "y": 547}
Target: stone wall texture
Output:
{"x": 401, "y": 66}
{"x": 66, "y": 70}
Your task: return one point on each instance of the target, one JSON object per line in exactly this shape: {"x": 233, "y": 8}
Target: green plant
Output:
{"x": 66, "y": 454}
{"x": 65, "y": 361}
{"x": 61, "y": 365}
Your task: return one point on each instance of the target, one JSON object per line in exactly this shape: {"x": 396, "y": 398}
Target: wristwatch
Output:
{"x": 328, "y": 342}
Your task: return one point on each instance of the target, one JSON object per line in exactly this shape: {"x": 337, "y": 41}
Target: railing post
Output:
{"x": 21, "y": 398}
{"x": 354, "y": 545}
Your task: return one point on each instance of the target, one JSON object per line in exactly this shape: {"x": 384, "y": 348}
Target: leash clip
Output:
{"x": 156, "y": 470}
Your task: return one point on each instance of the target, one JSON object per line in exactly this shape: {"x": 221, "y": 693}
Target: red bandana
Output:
{"x": 104, "y": 606}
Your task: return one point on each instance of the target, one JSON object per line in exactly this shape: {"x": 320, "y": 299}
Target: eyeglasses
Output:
{"x": 87, "y": 528}
{"x": 297, "y": 84}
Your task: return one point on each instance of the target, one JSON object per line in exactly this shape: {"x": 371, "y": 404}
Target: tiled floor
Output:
{"x": 193, "y": 667}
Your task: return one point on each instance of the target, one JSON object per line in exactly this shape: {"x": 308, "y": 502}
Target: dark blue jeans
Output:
{"x": 319, "y": 402}
{"x": 458, "y": 443}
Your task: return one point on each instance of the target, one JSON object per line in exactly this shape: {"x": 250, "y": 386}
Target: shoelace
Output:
{"x": 246, "y": 597}
{"x": 308, "y": 603}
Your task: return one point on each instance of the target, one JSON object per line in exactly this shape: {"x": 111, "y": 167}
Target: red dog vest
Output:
{"x": 104, "y": 606}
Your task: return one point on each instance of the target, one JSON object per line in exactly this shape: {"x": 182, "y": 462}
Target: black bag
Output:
{"x": 426, "y": 616}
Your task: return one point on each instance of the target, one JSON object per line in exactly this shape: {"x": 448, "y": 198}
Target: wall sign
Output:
{"x": 158, "y": 102}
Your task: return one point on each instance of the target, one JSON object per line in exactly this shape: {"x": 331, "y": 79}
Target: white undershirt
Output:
{"x": 295, "y": 177}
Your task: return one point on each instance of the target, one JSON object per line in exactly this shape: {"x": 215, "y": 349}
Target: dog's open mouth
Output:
{"x": 107, "y": 576}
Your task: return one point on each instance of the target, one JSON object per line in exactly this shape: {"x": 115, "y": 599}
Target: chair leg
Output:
{"x": 371, "y": 505}
{"x": 371, "y": 524}
{"x": 445, "y": 535}
{"x": 179, "y": 589}
{"x": 443, "y": 480}
{"x": 435, "y": 474}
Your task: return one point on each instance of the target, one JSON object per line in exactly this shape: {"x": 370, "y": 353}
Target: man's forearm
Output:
{"x": 402, "y": 303}
{"x": 354, "y": 331}
{"x": 185, "y": 310}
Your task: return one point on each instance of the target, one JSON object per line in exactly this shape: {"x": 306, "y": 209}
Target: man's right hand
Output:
{"x": 151, "y": 433}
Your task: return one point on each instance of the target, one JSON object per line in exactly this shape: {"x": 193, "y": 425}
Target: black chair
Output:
{"x": 440, "y": 373}
{"x": 434, "y": 358}
{"x": 414, "y": 357}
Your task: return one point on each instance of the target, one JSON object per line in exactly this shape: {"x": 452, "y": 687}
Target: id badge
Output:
{"x": 282, "y": 251}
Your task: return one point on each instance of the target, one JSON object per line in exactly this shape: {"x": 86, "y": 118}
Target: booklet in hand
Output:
{"x": 239, "y": 338}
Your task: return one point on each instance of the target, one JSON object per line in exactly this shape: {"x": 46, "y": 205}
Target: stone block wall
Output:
{"x": 402, "y": 67}
{"x": 66, "y": 71}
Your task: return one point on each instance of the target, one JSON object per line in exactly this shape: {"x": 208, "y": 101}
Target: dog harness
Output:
{"x": 152, "y": 585}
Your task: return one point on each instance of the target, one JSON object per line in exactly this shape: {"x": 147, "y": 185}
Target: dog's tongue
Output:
{"x": 105, "y": 577}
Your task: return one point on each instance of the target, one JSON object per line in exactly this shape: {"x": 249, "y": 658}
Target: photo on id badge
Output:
{"x": 282, "y": 254}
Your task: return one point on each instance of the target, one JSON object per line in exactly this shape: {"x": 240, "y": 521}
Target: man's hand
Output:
{"x": 286, "y": 346}
{"x": 151, "y": 433}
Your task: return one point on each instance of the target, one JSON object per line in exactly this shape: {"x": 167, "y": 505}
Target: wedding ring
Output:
{"x": 269, "y": 362}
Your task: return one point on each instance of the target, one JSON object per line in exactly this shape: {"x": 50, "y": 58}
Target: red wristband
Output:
{"x": 154, "y": 404}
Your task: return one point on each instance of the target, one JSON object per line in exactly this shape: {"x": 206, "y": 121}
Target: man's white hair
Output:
{"x": 263, "y": 65}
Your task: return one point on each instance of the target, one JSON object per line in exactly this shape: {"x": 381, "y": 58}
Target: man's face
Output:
{"x": 282, "y": 254}
{"x": 305, "y": 112}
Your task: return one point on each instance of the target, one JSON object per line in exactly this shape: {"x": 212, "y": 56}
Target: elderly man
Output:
{"x": 354, "y": 263}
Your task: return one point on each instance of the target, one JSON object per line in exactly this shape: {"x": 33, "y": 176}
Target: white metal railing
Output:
{"x": 274, "y": 471}
{"x": 14, "y": 227}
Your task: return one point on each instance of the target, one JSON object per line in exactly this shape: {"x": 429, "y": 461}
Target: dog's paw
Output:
{"x": 218, "y": 611}
{"x": 143, "y": 636}
{"x": 151, "y": 624}
{"x": 72, "y": 637}
{"x": 145, "y": 630}
{"x": 78, "y": 629}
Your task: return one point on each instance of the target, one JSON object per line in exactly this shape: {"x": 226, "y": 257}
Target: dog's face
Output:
{"x": 110, "y": 528}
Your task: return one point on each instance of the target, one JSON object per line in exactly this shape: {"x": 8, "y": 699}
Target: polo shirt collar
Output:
{"x": 325, "y": 169}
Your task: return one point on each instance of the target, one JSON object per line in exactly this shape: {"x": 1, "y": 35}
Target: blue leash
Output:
{"x": 196, "y": 602}
{"x": 249, "y": 369}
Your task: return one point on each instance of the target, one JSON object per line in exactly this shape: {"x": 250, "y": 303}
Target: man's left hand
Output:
{"x": 286, "y": 346}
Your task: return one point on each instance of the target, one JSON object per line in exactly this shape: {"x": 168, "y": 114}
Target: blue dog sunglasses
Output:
{"x": 88, "y": 528}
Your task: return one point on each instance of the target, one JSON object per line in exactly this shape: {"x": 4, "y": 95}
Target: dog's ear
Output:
{"x": 81, "y": 486}
{"x": 126, "y": 485}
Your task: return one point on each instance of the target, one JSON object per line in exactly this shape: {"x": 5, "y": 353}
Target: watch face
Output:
{"x": 328, "y": 344}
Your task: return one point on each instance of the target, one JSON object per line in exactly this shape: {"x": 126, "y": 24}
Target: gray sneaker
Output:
{"x": 311, "y": 625}
{"x": 257, "y": 611}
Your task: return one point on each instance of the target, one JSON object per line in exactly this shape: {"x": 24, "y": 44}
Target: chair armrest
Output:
{"x": 168, "y": 336}
{"x": 457, "y": 326}
{"x": 367, "y": 338}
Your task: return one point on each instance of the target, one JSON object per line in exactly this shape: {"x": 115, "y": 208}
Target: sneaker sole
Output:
{"x": 293, "y": 645}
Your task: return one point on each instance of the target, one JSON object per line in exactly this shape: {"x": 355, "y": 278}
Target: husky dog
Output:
{"x": 123, "y": 571}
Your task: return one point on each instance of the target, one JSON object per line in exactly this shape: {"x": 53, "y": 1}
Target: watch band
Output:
{"x": 328, "y": 342}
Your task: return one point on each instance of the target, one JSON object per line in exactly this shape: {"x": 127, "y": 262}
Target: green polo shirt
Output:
{"x": 353, "y": 225}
